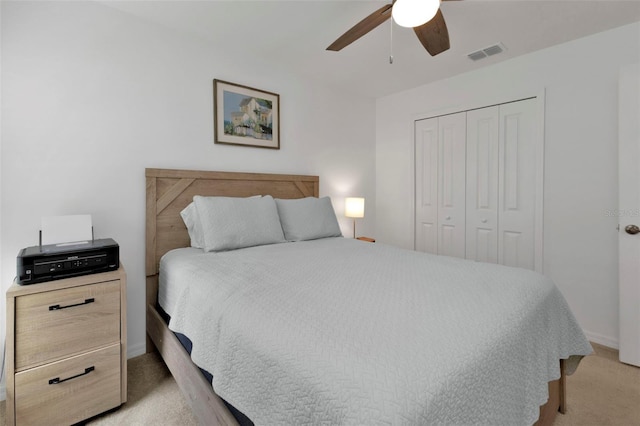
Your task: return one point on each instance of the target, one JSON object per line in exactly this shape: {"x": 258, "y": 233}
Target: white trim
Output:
{"x": 475, "y": 104}
{"x": 137, "y": 349}
{"x": 602, "y": 340}
{"x": 538, "y": 231}
{"x": 412, "y": 167}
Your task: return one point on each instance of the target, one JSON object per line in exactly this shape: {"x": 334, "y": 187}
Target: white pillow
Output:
{"x": 192, "y": 221}
{"x": 229, "y": 223}
{"x": 308, "y": 218}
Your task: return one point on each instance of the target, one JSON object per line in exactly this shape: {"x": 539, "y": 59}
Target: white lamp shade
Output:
{"x": 354, "y": 207}
{"x": 413, "y": 13}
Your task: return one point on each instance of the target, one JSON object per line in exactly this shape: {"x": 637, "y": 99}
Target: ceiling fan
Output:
{"x": 424, "y": 16}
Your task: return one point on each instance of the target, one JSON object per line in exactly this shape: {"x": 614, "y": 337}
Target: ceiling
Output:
{"x": 295, "y": 34}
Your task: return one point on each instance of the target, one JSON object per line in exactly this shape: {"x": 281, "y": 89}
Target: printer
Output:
{"x": 56, "y": 261}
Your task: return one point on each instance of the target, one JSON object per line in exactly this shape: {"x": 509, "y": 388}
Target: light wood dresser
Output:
{"x": 66, "y": 349}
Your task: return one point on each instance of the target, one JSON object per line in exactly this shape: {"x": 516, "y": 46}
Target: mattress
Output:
{"x": 337, "y": 331}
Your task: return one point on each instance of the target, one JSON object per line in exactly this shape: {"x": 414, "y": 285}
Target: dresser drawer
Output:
{"x": 71, "y": 390}
{"x": 55, "y": 324}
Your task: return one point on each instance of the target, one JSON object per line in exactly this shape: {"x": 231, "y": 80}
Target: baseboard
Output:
{"x": 136, "y": 349}
{"x": 602, "y": 340}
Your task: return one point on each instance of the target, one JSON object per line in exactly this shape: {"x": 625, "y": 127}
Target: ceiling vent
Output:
{"x": 487, "y": 51}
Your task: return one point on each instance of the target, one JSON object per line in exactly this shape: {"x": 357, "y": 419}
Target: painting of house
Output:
{"x": 249, "y": 116}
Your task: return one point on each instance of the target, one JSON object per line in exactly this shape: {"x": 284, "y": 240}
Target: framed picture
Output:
{"x": 245, "y": 116}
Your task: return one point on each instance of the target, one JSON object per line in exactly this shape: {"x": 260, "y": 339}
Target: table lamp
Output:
{"x": 354, "y": 207}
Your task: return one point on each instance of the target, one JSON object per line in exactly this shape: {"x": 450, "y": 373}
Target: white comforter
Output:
{"x": 338, "y": 331}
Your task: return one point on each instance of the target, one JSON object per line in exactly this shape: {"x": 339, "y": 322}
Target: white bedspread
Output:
{"x": 338, "y": 331}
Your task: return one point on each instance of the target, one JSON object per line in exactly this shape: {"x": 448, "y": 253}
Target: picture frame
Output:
{"x": 245, "y": 116}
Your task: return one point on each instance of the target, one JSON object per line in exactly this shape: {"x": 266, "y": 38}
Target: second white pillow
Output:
{"x": 229, "y": 223}
{"x": 308, "y": 218}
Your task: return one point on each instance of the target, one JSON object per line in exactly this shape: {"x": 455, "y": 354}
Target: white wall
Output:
{"x": 580, "y": 81}
{"x": 92, "y": 96}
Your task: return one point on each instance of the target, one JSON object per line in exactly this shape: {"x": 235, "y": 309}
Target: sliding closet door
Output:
{"x": 426, "y": 197}
{"x": 452, "y": 135}
{"x": 482, "y": 184}
{"x": 517, "y": 184}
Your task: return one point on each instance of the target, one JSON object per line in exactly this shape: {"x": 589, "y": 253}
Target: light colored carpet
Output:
{"x": 602, "y": 392}
{"x": 153, "y": 397}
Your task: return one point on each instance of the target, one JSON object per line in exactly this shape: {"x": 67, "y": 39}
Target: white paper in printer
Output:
{"x": 61, "y": 230}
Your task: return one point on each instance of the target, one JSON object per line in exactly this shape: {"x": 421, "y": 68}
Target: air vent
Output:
{"x": 477, "y": 55}
{"x": 487, "y": 51}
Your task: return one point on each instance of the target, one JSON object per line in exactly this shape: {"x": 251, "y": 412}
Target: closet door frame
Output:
{"x": 539, "y": 158}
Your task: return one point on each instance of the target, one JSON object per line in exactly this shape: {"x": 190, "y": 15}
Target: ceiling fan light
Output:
{"x": 413, "y": 13}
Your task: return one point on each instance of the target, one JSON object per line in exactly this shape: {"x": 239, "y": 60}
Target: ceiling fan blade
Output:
{"x": 434, "y": 35}
{"x": 362, "y": 28}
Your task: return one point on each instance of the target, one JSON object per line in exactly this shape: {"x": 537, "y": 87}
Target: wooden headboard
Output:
{"x": 169, "y": 191}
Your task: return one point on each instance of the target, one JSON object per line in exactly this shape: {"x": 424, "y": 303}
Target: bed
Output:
{"x": 170, "y": 191}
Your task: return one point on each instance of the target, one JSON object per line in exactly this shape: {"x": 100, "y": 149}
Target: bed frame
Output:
{"x": 168, "y": 192}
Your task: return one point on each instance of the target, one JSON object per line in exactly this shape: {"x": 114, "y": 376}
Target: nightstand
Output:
{"x": 66, "y": 348}
{"x": 367, "y": 239}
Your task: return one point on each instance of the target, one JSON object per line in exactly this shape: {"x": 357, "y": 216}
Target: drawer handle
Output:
{"x": 57, "y": 379}
{"x": 58, "y": 307}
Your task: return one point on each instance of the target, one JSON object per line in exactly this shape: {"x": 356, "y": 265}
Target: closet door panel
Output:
{"x": 482, "y": 185}
{"x": 451, "y": 184}
{"x": 426, "y": 196}
{"x": 517, "y": 184}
